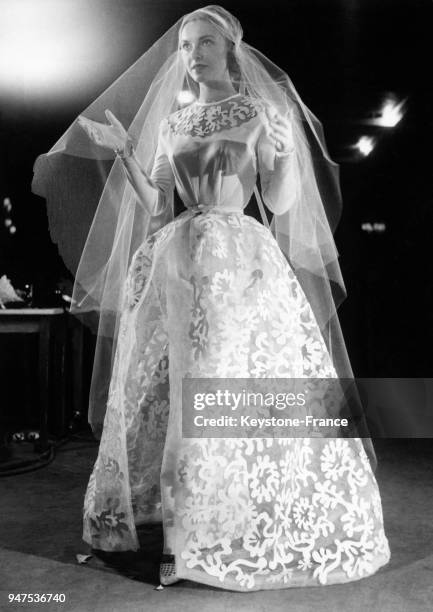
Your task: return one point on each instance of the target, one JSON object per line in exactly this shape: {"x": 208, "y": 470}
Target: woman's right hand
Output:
{"x": 112, "y": 136}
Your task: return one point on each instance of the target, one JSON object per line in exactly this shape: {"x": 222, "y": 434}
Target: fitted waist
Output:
{"x": 202, "y": 208}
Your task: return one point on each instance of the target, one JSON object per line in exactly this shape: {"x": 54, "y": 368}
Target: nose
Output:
{"x": 196, "y": 53}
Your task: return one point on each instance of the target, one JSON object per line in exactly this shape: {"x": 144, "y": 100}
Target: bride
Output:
{"x": 212, "y": 293}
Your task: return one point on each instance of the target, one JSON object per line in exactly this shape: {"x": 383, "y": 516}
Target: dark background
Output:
{"x": 345, "y": 57}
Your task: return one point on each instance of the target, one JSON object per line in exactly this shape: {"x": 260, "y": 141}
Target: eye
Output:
{"x": 185, "y": 45}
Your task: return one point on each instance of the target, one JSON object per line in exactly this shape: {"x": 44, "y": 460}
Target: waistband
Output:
{"x": 216, "y": 208}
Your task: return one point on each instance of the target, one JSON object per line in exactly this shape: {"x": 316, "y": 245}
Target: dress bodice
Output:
{"x": 212, "y": 153}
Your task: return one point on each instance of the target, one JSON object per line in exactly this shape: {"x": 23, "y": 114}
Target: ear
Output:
{"x": 230, "y": 45}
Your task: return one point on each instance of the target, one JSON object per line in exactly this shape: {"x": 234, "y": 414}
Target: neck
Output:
{"x": 214, "y": 91}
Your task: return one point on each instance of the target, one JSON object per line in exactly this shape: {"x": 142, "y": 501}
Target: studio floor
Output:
{"x": 40, "y": 536}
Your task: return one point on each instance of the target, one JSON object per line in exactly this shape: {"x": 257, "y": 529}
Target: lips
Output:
{"x": 198, "y": 66}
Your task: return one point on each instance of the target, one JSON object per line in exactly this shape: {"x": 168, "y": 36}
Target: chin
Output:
{"x": 198, "y": 79}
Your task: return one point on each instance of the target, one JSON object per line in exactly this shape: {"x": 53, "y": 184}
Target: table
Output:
{"x": 51, "y": 326}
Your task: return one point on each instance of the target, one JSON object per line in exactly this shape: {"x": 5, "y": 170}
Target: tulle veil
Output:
{"x": 97, "y": 222}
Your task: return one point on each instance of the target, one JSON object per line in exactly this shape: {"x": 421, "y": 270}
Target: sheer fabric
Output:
{"x": 98, "y": 222}
{"x": 211, "y": 294}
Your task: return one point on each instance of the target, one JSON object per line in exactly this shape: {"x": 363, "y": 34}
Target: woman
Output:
{"x": 213, "y": 294}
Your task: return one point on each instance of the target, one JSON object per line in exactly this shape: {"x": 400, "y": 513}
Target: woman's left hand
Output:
{"x": 280, "y": 131}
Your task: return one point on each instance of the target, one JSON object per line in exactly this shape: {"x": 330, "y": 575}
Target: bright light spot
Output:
{"x": 45, "y": 45}
{"x": 373, "y": 227}
{"x": 365, "y": 145}
{"x": 12, "y": 229}
{"x": 8, "y": 222}
{"x": 185, "y": 97}
{"x": 391, "y": 114}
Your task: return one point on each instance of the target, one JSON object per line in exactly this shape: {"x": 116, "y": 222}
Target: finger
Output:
{"x": 280, "y": 120}
{"x": 113, "y": 119}
{"x": 280, "y": 145}
{"x": 287, "y": 142}
{"x": 270, "y": 110}
{"x": 86, "y": 121}
{"x": 284, "y": 138}
{"x": 270, "y": 113}
{"x": 283, "y": 130}
{"x": 96, "y": 134}
{"x": 89, "y": 131}
{"x": 87, "y": 124}
{"x": 82, "y": 123}
{"x": 274, "y": 135}
{"x": 276, "y": 141}
{"x": 281, "y": 125}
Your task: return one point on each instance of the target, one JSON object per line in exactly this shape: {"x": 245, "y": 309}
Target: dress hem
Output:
{"x": 337, "y": 578}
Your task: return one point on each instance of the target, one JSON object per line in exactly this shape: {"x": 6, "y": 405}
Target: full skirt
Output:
{"x": 212, "y": 296}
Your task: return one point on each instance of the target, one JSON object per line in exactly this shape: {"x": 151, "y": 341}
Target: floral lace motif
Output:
{"x": 211, "y": 295}
{"x": 250, "y": 513}
{"x": 197, "y": 120}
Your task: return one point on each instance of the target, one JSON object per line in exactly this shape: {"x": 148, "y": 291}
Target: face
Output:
{"x": 204, "y": 52}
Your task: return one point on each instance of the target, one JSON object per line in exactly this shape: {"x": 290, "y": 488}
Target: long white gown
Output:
{"x": 212, "y": 295}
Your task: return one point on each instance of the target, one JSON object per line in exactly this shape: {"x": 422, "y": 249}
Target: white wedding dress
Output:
{"x": 212, "y": 295}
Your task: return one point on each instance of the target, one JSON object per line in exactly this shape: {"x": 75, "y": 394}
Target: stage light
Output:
{"x": 370, "y": 228}
{"x": 391, "y": 113}
{"x": 185, "y": 97}
{"x": 365, "y": 145}
{"x": 48, "y": 47}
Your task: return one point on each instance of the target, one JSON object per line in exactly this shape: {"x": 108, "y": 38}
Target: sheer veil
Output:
{"x": 97, "y": 222}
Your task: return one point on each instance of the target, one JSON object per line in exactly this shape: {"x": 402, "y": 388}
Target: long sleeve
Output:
{"x": 278, "y": 175}
{"x": 162, "y": 172}
{"x": 153, "y": 191}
